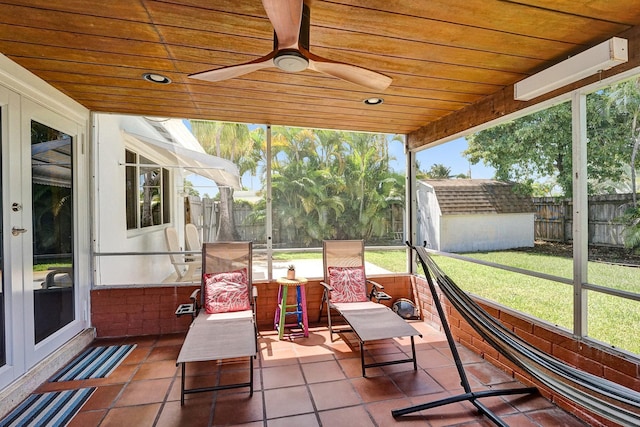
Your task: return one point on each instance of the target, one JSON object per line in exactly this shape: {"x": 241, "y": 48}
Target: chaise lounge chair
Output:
{"x": 345, "y": 291}
{"x": 187, "y": 268}
{"x": 224, "y": 325}
{"x": 192, "y": 241}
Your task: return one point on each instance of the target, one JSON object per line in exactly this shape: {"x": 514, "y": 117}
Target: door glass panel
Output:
{"x": 52, "y": 204}
{"x": 131, "y": 191}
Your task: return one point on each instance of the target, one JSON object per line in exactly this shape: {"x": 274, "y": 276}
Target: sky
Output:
{"x": 450, "y": 155}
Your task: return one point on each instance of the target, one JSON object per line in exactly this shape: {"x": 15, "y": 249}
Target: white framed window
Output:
{"x": 147, "y": 192}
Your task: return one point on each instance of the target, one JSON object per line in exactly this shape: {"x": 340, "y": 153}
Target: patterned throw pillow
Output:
{"x": 226, "y": 292}
{"x": 348, "y": 283}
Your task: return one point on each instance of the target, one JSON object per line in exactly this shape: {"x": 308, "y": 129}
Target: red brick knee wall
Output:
{"x": 620, "y": 368}
{"x": 119, "y": 312}
{"x": 138, "y": 311}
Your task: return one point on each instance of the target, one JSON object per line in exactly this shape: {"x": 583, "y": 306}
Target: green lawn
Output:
{"x": 613, "y": 320}
{"x": 51, "y": 266}
{"x": 392, "y": 260}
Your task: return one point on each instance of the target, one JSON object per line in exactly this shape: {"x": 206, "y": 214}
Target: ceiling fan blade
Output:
{"x": 232, "y": 71}
{"x": 351, "y": 73}
{"x": 285, "y": 16}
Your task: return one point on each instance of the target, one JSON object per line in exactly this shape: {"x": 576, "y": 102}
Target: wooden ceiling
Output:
{"x": 445, "y": 57}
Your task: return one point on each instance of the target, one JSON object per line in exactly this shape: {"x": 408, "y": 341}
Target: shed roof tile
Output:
{"x": 473, "y": 196}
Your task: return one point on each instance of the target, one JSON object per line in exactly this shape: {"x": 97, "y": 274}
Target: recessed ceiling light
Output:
{"x": 373, "y": 101}
{"x": 156, "y": 78}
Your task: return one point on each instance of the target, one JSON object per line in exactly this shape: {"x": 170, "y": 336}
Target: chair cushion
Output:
{"x": 349, "y": 284}
{"x": 226, "y": 292}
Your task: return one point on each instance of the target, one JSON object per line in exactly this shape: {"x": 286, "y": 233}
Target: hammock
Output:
{"x": 602, "y": 397}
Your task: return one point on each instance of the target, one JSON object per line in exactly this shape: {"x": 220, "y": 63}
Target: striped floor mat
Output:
{"x": 48, "y": 409}
{"x": 94, "y": 362}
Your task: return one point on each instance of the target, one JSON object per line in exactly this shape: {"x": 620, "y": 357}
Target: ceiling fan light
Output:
{"x": 291, "y": 61}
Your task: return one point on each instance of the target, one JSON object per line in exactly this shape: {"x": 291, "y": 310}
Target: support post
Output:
{"x": 580, "y": 212}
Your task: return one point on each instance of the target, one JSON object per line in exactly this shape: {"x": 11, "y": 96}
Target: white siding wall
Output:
{"x": 473, "y": 233}
{"x": 428, "y": 217}
{"x": 111, "y": 234}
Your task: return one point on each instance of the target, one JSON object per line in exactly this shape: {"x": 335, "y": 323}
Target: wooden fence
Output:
{"x": 553, "y": 219}
{"x": 204, "y": 214}
{"x": 554, "y": 223}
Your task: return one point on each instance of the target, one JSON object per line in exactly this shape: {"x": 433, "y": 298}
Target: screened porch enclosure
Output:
{"x": 319, "y": 192}
{"x": 116, "y": 81}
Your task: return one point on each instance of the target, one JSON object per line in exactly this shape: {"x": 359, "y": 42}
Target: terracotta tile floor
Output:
{"x": 303, "y": 382}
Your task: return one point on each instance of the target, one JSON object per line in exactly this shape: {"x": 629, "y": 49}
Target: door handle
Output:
{"x": 17, "y": 231}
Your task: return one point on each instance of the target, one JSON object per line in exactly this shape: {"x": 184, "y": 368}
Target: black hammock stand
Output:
{"x": 605, "y": 398}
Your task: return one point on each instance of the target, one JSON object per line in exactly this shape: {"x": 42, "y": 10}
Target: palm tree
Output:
{"x": 373, "y": 187}
{"x": 231, "y": 141}
{"x": 331, "y": 150}
{"x": 439, "y": 171}
{"x": 420, "y": 174}
{"x": 257, "y": 153}
{"x": 328, "y": 184}
{"x": 294, "y": 178}
{"x": 625, "y": 98}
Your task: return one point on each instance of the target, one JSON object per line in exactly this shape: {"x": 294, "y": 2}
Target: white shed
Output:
{"x": 471, "y": 215}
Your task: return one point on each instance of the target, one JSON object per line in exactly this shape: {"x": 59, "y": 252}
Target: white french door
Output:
{"x": 8, "y": 368}
{"x": 47, "y": 168}
{"x": 40, "y": 298}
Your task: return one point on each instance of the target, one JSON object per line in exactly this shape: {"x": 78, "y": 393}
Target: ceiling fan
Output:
{"x": 290, "y": 20}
